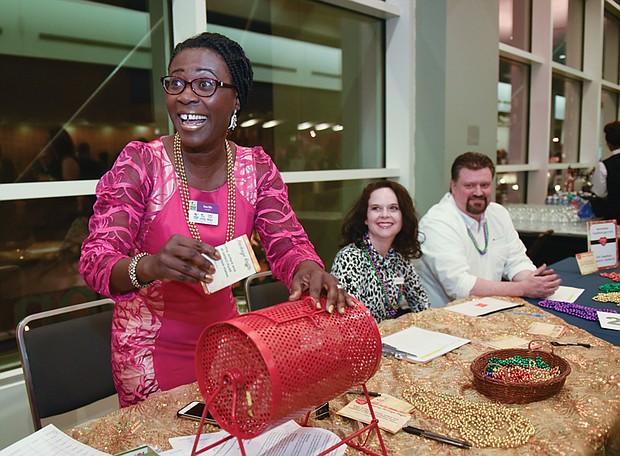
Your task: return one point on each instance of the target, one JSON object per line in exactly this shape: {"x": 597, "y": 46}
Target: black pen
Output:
{"x": 370, "y": 393}
{"x": 437, "y": 437}
{"x": 577, "y": 344}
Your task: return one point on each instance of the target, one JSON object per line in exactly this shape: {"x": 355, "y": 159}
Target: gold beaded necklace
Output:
{"x": 184, "y": 189}
{"x": 484, "y": 424}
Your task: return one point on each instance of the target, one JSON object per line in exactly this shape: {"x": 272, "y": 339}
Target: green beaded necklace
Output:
{"x": 485, "y": 229}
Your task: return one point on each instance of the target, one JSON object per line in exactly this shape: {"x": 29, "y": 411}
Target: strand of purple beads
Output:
{"x": 587, "y": 313}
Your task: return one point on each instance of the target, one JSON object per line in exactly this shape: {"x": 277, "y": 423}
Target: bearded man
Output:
{"x": 469, "y": 245}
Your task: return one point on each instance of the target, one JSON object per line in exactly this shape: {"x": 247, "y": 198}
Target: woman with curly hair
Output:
{"x": 380, "y": 238}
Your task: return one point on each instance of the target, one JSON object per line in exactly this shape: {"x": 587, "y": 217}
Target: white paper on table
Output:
{"x": 50, "y": 441}
{"x": 482, "y": 306}
{"x": 609, "y": 320}
{"x": 287, "y": 439}
{"x": 566, "y": 294}
{"x": 421, "y": 345}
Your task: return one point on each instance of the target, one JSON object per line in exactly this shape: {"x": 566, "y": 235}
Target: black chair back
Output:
{"x": 67, "y": 362}
{"x": 263, "y": 290}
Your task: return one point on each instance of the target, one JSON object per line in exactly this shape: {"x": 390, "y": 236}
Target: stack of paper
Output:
{"x": 287, "y": 438}
{"x": 419, "y": 345}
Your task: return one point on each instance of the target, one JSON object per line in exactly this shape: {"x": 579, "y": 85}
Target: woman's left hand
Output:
{"x": 310, "y": 277}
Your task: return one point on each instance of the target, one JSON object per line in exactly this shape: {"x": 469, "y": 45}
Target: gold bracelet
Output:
{"x": 133, "y": 277}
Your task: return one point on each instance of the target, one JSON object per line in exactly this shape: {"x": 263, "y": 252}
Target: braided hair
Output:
{"x": 238, "y": 64}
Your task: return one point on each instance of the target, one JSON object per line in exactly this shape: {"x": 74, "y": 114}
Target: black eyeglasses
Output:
{"x": 203, "y": 87}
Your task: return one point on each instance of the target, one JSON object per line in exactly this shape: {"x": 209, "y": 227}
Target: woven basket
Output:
{"x": 518, "y": 393}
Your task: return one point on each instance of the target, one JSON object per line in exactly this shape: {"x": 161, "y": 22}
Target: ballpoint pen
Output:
{"x": 530, "y": 314}
{"x": 437, "y": 437}
{"x": 561, "y": 344}
{"x": 370, "y": 393}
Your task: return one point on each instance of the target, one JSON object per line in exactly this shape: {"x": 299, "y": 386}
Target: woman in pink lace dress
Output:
{"x": 148, "y": 252}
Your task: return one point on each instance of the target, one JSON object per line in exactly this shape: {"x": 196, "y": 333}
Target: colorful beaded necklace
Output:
{"x": 576, "y": 310}
{"x": 370, "y": 253}
{"x": 485, "y": 230}
{"x": 184, "y": 190}
{"x": 611, "y": 275}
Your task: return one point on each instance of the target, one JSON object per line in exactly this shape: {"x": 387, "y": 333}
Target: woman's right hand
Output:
{"x": 181, "y": 258}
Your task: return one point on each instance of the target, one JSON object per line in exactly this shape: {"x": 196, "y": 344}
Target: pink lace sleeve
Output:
{"x": 120, "y": 212}
{"x": 285, "y": 240}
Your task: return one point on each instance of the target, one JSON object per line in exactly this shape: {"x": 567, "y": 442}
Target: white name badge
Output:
{"x": 399, "y": 280}
{"x": 205, "y": 213}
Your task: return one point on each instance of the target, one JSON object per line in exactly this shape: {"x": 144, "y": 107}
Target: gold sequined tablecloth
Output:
{"x": 582, "y": 419}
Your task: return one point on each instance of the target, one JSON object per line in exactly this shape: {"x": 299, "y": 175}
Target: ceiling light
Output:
{"x": 272, "y": 123}
{"x": 304, "y": 125}
{"x": 337, "y": 127}
{"x": 249, "y": 123}
{"x": 322, "y": 126}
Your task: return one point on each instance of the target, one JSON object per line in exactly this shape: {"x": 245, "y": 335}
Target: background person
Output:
{"x": 58, "y": 160}
{"x": 606, "y": 177}
{"x": 144, "y": 251}
{"x": 469, "y": 243}
{"x": 380, "y": 237}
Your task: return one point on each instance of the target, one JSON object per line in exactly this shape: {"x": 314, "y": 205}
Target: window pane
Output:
{"x": 568, "y": 32}
{"x": 609, "y": 112}
{"x": 565, "y": 182}
{"x": 321, "y": 208}
{"x": 515, "y": 23}
{"x": 611, "y": 48}
{"x": 513, "y": 93}
{"x": 102, "y": 90}
{"x": 88, "y": 84}
{"x": 565, "y": 120}
{"x": 511, "y": 188}
{"x": 317, "y": 99}
{"x": 39, "y": 254}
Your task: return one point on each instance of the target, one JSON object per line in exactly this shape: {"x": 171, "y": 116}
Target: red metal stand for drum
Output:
{"x": 266, "y": 367}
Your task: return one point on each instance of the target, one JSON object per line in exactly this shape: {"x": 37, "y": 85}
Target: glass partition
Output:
{"x": 511, "y": 188}
{"x": 568, "y": 18}
{"x": 515, "y": 23}
{"x": 319, "y": 82}
{"x": 82, "y": 83}
{"x": 513, "y": 94}
{"x": 565, "y": 119}
{"x": 323, "y": 218}
{"x": 611, "y": 47}
{"x": 610, "y": 104}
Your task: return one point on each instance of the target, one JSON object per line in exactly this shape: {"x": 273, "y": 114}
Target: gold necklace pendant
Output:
{"x": 184, "y": 189}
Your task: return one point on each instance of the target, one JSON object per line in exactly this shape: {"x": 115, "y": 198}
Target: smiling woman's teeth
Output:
{"x": 192, "y": 118}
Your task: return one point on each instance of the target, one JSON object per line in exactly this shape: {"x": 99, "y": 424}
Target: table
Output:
{"x": 569, "y": 272}
{"x": 582, "y": 419}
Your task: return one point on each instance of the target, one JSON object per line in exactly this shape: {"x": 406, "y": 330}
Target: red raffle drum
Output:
{"x": 265, "y": 367}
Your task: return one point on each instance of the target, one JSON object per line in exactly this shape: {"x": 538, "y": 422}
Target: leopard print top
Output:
{"x": 356, "y": 272}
